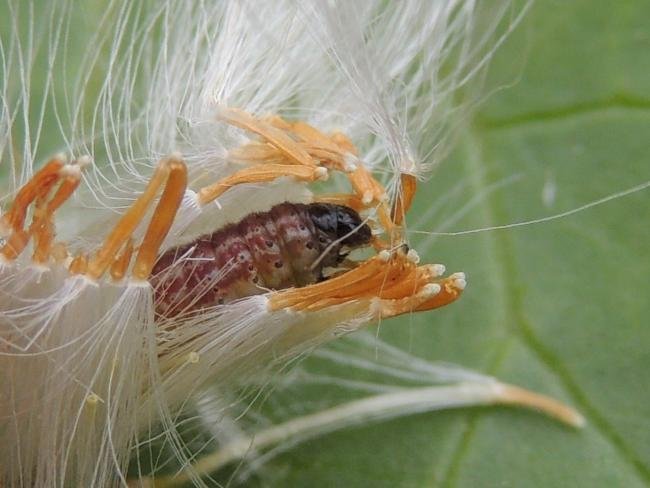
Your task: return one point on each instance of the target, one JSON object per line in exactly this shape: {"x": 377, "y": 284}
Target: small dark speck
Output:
{"x": 269, "y": 243}
{"x": 278, "y": 264}
{"x": 310, "y": 245}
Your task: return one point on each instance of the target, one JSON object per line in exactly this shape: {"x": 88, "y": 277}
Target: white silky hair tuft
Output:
{"x": 86, "y": 373}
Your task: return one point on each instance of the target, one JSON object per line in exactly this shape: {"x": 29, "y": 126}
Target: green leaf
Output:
{"x": 559, "y": 307}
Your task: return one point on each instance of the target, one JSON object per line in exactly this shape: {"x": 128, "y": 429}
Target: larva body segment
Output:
{"x": 287, "y": 246}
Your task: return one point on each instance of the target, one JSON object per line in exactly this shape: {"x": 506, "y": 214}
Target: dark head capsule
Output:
{"x": 339, "y": 223}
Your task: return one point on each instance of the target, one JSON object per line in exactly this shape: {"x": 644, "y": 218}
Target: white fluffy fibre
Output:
{"x": 86, "y": 375}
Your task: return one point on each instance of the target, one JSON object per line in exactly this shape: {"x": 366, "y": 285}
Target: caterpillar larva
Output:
{"x": 288, "y": 246}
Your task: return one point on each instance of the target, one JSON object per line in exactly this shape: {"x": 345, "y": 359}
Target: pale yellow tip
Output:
{"x": 513, "y": 395}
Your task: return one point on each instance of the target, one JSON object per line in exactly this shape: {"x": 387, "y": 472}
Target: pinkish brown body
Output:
{"x": 265, "y": 251}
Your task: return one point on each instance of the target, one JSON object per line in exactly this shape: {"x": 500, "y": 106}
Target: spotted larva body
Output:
{"x": 288, "y": 246}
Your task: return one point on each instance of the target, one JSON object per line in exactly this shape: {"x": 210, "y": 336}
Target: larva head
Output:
{"x": 340, "y": 223}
